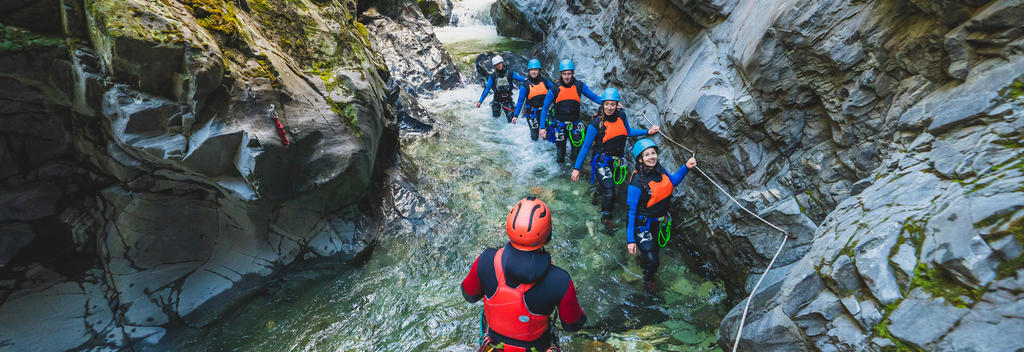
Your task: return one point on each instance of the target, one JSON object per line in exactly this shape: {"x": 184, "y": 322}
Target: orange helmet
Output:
{"x": 529, "y": 224}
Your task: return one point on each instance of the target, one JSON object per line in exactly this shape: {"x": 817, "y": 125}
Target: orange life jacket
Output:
{"x": 567, "y": 102}
{"x": 535, "y": 96}
{"x": 656, "y": 193}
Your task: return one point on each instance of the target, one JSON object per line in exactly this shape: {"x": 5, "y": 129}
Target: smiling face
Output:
{"x": 567, "y": 76}
{"x": 534, "y": 72}
{"x": 649, "y": 157}
{"x": 609, "y": 107}
{"x": 499, "y": 66}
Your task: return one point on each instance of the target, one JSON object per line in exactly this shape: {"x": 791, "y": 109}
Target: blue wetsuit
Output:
{"x": 502, "y": 82}
{"x": 567, "y": 100}
{"x": 648, "y": 196}
{"x": 607, "y": 135}
{"x": 532, "y": 94}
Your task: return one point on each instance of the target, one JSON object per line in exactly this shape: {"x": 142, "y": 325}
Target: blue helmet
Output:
{"x": 610, "y": 94}
{"x": 641, "y": 145}
{"x": 566, "y": 65}
{"x": 534, "y": 64}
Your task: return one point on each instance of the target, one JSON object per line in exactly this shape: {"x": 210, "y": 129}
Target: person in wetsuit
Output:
{"x": 532, "y": 93}
{"x": 607, "y": 134}
{"x": 565, "y": 95}
{"x": 501, "y": 80}
{"x": 520, "y": 286}
{"x": 648, "y": 196}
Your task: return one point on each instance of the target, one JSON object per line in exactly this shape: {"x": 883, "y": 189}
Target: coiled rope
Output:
{"x": 746, "y": 307}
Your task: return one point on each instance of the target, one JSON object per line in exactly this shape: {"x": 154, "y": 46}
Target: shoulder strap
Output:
{"x": 499, "y": 272}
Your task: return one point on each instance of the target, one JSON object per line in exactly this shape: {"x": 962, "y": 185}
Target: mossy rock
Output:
{"x": 17, "y": 39}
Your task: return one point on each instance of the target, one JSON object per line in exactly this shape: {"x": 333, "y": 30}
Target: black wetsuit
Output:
{"x": 553, "y": 289}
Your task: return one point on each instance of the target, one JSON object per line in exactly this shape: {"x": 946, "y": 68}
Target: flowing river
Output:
{"x": 404, "y": 294}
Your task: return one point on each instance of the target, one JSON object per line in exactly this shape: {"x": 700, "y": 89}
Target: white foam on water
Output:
{"x": 528, "y": 161}
{"x": 482, "y": 33}
{"x": 468, "y": 13}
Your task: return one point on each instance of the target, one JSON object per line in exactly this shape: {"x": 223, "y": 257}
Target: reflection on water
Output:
{"x": 405, "y": 294}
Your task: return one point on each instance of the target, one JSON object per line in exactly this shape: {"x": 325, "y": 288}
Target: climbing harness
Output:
{"x": 746, "y": 307}
{"x": 485, "y": 341}
{"x": 664, "y": 230}
{"x": 583, "y": 135}
{"x": 619, "y": 171}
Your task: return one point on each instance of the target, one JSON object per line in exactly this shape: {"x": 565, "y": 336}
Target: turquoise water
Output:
{"x": 405, "y": 294}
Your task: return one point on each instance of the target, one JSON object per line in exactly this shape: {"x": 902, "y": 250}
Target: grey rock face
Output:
{"x": 921, "y": 319}
{"x": 438, "y": 12}
{"x": 411, "y": 51}
{"x": 513, "y": 23}
{"x": 885, "y": 134}
{"x": 143, "y": 184}
{"x": 992, "y": 324}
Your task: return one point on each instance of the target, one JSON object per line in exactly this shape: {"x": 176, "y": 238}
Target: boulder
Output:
{"x": 145, "y": 157}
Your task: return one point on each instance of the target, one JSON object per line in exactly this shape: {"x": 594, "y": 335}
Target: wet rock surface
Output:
{"x": 411, "y": 51}
{"x": 143, "y": 184}
{"x": 880, "y": 133}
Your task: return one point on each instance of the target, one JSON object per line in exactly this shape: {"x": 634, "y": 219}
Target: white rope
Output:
{"x": 743, "y": 318}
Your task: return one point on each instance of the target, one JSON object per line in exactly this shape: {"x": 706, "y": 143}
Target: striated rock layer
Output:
{"x": 885, "y": 134}
{"x": 143, "y": 184}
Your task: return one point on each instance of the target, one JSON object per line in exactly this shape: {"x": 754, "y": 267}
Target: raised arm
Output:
{"x": 632, "y": 132}
{"x": 590, "y": 94}
{"x": 677, "y": 176}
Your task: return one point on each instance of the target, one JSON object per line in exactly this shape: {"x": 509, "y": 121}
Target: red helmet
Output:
{"x": 529, "y": 224}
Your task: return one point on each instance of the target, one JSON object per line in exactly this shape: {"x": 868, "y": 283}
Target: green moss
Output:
{"x": 260, "y": 6}
{"x": 264, "y": 69}
{"x": 363, "y": 33}
{"x": 938, "y": 283}
{"x": 347, "y": 113}
{"x": 141, "y": 21}
{"x": 298, "y": 3}
{"x": 17, "y": 39}
{"x": 1009, "y": 267}
{"x": 1015, "y": 90}
{"x": 217, "y": 16}
{"x": 882, "y": 330}
{"x": 1014, "y": 163}
{"x": 849, "y": 250}
{"x": 913, "y": 230}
